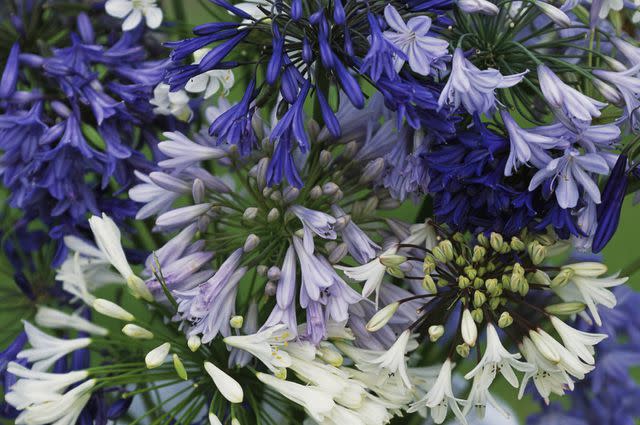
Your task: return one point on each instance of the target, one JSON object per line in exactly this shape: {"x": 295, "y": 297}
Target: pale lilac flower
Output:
{"x": 360, "y": 246}
{"x": 478, "y": 6}
{"x": 628, "y": 84}
{"x": 209, "y": 306}
{"x": 570, "y": 171}
{"x": 555, "y": 14}
{"x": 472, "y": 87}
{"x": 184, "y": 152}
{"x": 421, "y": 50}
{"x": 527, "y": 147}
{"x": 593, "y": 138}
{"x": 155, "y": 198}
{"x": 631, "y": 52}
{"x": 316, "y": 276}
{"x": 314, "y": 222}
{"x": 567, "y": 103}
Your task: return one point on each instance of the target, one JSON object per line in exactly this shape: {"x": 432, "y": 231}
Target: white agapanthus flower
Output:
{"x": 266, "y": 346}
{"x": 209, "y": 82}
{"x": 174, "y": 103}
{"x": 547, "y": 376}
{"x": 440, "y": 397}
{"x": 393, "y": 360}
{"x": 586, "y": 286}
{"x": 56, "y": 319}
{"x": 228, "y": 387}
{"x": 107, "y": 236}
{"x": 371, "y": 273}
{"x": 33, "y": 387}
{"x": 133, "y": 11}
{"x": 46, "y": 349}
{"x": 317, "y": 403}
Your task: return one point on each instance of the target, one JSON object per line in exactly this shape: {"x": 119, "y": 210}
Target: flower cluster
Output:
{"x": 337, "y": 212}
{"x": 71, "y": 123}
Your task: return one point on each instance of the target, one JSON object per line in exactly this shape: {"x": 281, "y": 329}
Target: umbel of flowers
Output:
{"x": 508, "y": 290}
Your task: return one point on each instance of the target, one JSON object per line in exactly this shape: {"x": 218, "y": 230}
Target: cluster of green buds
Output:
{"x": 507, "y": 282}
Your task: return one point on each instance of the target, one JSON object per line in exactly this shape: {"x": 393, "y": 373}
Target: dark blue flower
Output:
{"x": 611, "y": 205}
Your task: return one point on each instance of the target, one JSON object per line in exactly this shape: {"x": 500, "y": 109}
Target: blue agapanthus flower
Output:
{"x": 308, "y": 48}
{"x": 71, "y": 125}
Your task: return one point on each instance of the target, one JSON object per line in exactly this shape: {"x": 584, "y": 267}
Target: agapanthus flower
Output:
{"x": 304, "y": 42}
{"x": 283, "y": 237}
{"x": 75, "y": 125}
{"x": 464, "y": 284}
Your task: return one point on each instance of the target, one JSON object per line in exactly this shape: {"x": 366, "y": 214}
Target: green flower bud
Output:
{"x": 491, "y": 285}
{"x": 565, "y": 308}
{"x": 459, "y": 237}
{"x": 541, "y": 278}
{"x": 429, "y": 264}
{"x": 478, "y": 253}
{"x": 482, "y": 240}
{"x": 523, "y": 288}
{"x": 479, "y": 298}
{"x": 179, "y": 367}
{"x": 470, "y": 272}
{"x": 395, "y": 271}
{"x": 429, "y": 284}
{"x": 496, "y": 241}
{"x": 435, "y": 332}
{"x": 478, "y": 283}
{"x": 494, "y": 303}
{"x": 463, "y": 350}
{"x": 439, "y": 254}
{"x": 463, "y": 282}
{"x": 392, "y": 260}
{"x": 447, "y": 249}
{"x": 562, "y": 278}
{"x": 477, "y": 315}
{"x": 516, "y": 244}
{"x": 537, "y": 252}
{"x": 482, "y": 270}
{"x": 460, "y": 261}
{"x": 442, "y": 282}
{"x": 505, "y": 320}
{"x": 491, "y": 267}
{"x": 381, "y": 318}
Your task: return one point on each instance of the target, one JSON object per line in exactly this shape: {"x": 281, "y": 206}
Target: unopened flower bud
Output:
{"x": 228, "y": 387}
{"x": 324, "y": 158}
{"x": 330, "y": 188}
{"x": 273, "y": 215}
{"x": 587, "y": 268}
{"x": 435, "y": 332}
{"x": 484, "y": 7}
{"x": 197, "y": 191}
{"x": 541, "y": 278}
{"x": 428, "y": 284}
{"x": 273, "y": 273}
{"x": 250, "y": 213}
{"x": 391, "y": 260}
{"x": 342, "y": 222}
{"x": 537, "y": 252}
{"x": 429, "y": 264}
{"x": 276, "y": 196}
{"x": 251, "y": 243}
{"x": 544, "y": 347}
{"x": 372, "y": 171}
{"x": 496, "y": 241}
{"x": 479, "y": 298}
{"x": 270, "y": 288}
{"x": 471, "y": 272}
{"x": 505, "y": 320}
{"x": 562, "y": 278}
{"x": 137, "y": 332}
{"x": 463, "y": 350}
{"x": 157, "y": 356}
{"x": 610, "y": 94}
{"x": 516, "y": 244}
{"x": 447, "y": 249}
{"x": 463, "y": 282}
{"x": 139, "y": 288}
{"x": 478, "y": 253}
{"x": 111, "y": 309}
{"x": 383, "y": 316}
{"x": 482, "y": 240}
{"x": 290, "y": 194}
{"x": 494, "y": 303}
{"x": 262, "y": 270}
{"x": 194, "y": 343}
{"x": 565, "y": 308}
{"x": 179, "y": 367}
{"x": 439, "y": 254}
{"x": 236, "y": 321}
{"x": 468, "y": 328}
{"x": 315, "y": 192}
{"x": 556, "y": 15}
{"x": 337, "y": 197}
{"x": 350, "y": 149}
{"x": 477, "y": 315}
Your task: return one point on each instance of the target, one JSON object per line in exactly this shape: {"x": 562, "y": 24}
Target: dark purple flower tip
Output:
{"x": 119, "y": 408}
{"x": 10, "y": 73}
{"x": 339, "y": 15}
{"x": 296, "y": 10}
{"x": 611, "y": 205}
{"x": 275, "y": 63}
{"x": 329, "y": 117}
